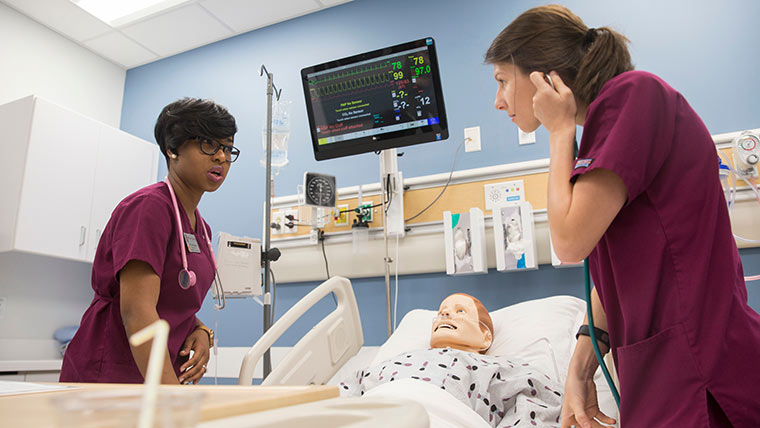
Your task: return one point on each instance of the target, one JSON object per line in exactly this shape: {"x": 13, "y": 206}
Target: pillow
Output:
{"x": 540, "y": 332}
{"x": 412, "y": 333}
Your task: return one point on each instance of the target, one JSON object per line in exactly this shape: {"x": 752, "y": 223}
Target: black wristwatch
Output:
{"x": 601, "y": 335}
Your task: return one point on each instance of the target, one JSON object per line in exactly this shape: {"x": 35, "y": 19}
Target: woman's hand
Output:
{"x": 580, "y": 407}
{"x": 194, "y": 369}
{"x": 554, "y": 106}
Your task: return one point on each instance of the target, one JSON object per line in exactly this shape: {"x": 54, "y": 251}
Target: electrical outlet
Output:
{"x": 500, "y": 193}
{"x": 3, "y": 306}
{"x": 314, "y": 236}
{"x": 278, "y": 218}
{"x": 525, "y": 137}
{"x": 472, "y": 139}
{"x": 294, "y": 214}
{"x": 341, "y": 219}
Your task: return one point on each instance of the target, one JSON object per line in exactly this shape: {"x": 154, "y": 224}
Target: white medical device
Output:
{"x": 746, "y": 153}
{"x": 239, "y": 265}
{"x": 392, "y": 182}
{"x": 514, "y": 237}
{"x": 465, "y": 238}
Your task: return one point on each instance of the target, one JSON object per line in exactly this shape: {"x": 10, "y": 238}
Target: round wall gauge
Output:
{"x": 320, "y": 190}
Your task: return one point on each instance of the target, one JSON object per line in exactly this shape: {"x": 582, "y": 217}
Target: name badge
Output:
{"x": 192, "y": 243}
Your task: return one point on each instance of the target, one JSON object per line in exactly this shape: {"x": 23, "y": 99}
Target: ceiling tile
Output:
{"x": 62, "y": 16}
{"x": 331, "y": 3}
{"x": 177, "y": 30}
{"x": 246, "y": 15}
{"x": 119, "y": 48}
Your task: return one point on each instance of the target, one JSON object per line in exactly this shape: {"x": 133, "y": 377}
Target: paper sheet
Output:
{"x": 8, "y": 387}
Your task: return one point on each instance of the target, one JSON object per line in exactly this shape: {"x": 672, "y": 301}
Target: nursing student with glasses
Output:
{"x": 669, "y": 286}
{"x": 154, "y": 259}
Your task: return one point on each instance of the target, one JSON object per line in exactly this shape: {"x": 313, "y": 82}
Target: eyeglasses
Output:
{"x": 210, "y": 147}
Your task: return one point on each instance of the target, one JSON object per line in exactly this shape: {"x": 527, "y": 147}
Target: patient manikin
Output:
{"x": 503, "y": 391}
{"x": 462, "y": 323}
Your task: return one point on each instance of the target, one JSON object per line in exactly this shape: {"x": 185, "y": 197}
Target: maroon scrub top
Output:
{"x": 667, "y": 269}
{"x": 142, "y": 227}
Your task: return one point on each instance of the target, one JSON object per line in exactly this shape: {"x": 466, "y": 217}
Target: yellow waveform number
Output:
{"x": 418, "y": 60}
{"x": 398, "y": 75}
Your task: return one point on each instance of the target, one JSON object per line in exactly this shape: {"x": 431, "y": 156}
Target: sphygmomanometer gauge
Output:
{"x": 320, "y": 190}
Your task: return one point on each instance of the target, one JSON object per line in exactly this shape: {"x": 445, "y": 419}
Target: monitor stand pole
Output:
{"x": 392, "y": 189}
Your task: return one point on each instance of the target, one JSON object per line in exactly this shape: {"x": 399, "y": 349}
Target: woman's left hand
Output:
{"x": 194, "y": 369}
{"x": 554, "y": 106}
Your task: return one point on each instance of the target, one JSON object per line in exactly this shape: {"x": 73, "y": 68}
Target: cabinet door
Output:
{"x": 125, "y": 164}
{"x": 15, "y": 123}
{"x": 54, "y": 209}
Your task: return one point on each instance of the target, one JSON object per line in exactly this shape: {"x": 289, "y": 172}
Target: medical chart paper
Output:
{"x": 8, "y": 387}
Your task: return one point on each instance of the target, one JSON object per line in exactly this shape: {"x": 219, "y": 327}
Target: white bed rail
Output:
{"x": 323, "y": 350}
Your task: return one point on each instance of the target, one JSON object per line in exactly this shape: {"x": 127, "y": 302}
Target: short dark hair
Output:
{"x": 190, "y": 118}
{"x": 551, "y": 37}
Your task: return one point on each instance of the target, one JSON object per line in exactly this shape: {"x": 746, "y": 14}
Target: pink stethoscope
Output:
{"x": 187, "y": 277}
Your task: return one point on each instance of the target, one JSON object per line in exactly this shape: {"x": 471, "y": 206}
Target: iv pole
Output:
{"x": 271, "y": 90}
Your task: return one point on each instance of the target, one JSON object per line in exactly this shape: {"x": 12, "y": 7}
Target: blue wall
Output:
{"x": 705, "y": 49}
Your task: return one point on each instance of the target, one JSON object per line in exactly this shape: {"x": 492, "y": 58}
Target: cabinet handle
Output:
{"x": 82, "y": 233}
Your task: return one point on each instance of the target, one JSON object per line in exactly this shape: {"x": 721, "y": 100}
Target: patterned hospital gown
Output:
{"x": 504, "y": 392}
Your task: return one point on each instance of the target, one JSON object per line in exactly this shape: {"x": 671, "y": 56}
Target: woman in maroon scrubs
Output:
{"x": 135, "y": 274}
{"x": 644, "y": 202}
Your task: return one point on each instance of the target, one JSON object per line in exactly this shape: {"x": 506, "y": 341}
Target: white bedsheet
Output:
{"x": 444, "y": 410}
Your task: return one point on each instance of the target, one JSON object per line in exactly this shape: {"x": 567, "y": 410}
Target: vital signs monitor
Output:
{"x": 377, "y": 100}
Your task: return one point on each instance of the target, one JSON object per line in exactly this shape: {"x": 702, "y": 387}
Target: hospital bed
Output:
{"x": 540, "y": 332}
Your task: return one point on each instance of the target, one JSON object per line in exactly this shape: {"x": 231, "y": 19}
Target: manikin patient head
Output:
{"x": 462, "y": 323}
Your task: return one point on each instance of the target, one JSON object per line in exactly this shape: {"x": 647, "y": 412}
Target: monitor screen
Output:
{"x": 377, "y": 100}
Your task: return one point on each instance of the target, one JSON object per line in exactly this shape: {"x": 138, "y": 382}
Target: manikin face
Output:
{"x": 457, "y": 326}
{"x": 514, "y": 95}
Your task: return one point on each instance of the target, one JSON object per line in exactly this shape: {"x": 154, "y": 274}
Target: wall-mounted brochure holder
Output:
{"x": 514, "y": 237}
{"x": 465, "y": 237}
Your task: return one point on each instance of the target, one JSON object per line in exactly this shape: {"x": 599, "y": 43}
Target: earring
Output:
{"x": 173, "y": 156}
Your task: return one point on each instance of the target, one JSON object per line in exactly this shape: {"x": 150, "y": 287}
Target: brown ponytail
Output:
{"x": 551, "y": 37}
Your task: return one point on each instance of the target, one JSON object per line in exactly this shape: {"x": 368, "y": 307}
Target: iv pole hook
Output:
{"x": 276, "y": 92}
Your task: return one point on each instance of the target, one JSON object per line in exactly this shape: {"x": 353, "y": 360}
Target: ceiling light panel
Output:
{"x": 121, "y": 12}
{"x": 61, "y": 16}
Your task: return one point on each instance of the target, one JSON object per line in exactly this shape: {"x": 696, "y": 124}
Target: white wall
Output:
{"x": 44, "y": 293}
{"x": 37, "y": 60}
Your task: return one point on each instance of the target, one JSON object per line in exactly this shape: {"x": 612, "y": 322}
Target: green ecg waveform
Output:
{"x": 350, "y": 85}
{"x": 366, "y": 69}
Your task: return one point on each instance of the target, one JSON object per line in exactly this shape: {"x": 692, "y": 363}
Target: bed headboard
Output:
{"x": 323, "y": 350}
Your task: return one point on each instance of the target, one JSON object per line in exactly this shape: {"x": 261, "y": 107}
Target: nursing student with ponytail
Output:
{"x": 643, "y": 201}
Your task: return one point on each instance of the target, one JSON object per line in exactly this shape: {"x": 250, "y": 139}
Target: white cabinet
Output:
{"x": 66, "y": 174}
{"x": 124, "y": 164}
